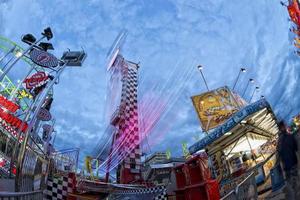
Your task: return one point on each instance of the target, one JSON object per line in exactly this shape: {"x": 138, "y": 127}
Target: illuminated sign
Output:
{"x": 37, "y": 79}
{"x": 44, "y": 115}
{"x": 43, "y": 58}
{"x": 9, "y": 105}
{"x": 13, "y": 121}
{"x": 215, "y": 107}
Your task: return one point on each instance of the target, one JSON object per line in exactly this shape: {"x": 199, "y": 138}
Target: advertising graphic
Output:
{"x": 214, "y": 107}
{"x": 37, "y": 79}
{"x": 43, "y": 58}
{"x": 44, "y": 115}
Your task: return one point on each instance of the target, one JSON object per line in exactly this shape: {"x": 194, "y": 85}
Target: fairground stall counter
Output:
{"x": 240, "y": 138}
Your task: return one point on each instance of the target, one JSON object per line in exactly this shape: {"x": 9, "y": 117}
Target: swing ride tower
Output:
{"x": 125, "y": 148}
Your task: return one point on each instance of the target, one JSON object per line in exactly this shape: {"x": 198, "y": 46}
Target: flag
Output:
{"x": 168, "y": 154}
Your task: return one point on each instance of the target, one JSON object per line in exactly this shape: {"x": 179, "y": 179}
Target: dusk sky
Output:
{"x": 169, "y": 39}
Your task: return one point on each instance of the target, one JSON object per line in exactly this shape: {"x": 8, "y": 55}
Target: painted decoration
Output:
{"x": 13, "y": 121}
{"x": 24, "y": 94}
{"x": 44, "y": 115}
{"x": 47, "y": 129}
{"x": 9, "y": 105}
{"x": 239, "y": 100}
{"x": 36, "y": 80}
{"x": 43, "y": 58}
{"x": 215, "y": 107}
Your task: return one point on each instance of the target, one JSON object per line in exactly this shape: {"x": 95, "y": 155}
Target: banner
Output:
{"x": 35, "y": 80}
{"x": 215, "y": 107}
{"x": 9, "y": 105}
{"x": 43, "y": 58}
{"x": 44, "y": 115}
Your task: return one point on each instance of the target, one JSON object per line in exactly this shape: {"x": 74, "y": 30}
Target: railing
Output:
{"x": 245, "y": 190}
{"x": 34, "y": 195}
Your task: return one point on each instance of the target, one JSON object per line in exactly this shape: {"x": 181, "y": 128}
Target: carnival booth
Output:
{"x": 240, "y": 138}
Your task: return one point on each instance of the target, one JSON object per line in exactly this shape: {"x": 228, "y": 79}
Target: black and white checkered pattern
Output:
{"x": 155, "y": 193}
{"x": 128, "y": 128}
{"x": 59, "y": 187}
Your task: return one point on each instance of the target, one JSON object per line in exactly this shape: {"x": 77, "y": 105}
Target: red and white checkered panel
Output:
{"x": 127, "y": 137}
{"x": 129, "y": 126}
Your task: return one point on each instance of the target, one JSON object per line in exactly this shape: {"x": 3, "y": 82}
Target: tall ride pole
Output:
{"x": 237, "y": 79}
{"x": 249, "y": 81}
{"x": 256, "y": 89}
{"x": 200, "y": 67}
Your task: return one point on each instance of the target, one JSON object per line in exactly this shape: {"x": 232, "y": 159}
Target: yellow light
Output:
{"x": 18, "y": 54}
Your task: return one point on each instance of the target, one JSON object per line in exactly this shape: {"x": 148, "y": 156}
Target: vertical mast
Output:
{"x": 125, "y": 147}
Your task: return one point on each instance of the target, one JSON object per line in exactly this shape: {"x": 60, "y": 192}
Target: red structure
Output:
{"x": 126, "y": 142}
{"x": 194, "y": 182}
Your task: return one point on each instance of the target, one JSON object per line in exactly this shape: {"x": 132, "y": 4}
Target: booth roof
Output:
{"x": 257, "y": 118}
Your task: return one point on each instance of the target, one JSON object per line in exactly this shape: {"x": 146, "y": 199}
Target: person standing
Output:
{"x": 287, "y": 148}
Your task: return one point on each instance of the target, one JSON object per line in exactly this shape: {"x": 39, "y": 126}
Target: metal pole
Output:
{"x": 36, "y": 111}
{"x": 49, "y": 136}
{"x": 9, "y": 52}
{"x": 200, "y": 69}
{"x": 253, "y": 94}
{"x": 26, "y": 118}
{"x": 19, "y": 57}
{"x": 245, "y": 89}
{"x": 236, "y": 80}
{"x": 54, "y": 138}
{"x": 249, "y": 81}
{"x": 204, "y": 80}
{"x": 4, "y": 66}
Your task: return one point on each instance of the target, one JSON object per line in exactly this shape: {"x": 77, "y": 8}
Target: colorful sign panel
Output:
{"x": 9, "y": 118}
{"x": 35, "y": 80}
{"x": 44, "y": 115}
{"x": 43, "y": 58}
{"x": 215, "y": 107}
{"x": 13, "y": 121}
{"x": 9, "y": 105}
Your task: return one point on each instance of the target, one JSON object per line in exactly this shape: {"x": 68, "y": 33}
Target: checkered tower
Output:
{"x": 125, "y": 120}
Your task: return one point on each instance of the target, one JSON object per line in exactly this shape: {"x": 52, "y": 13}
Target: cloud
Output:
{"x": 166, "y": 37}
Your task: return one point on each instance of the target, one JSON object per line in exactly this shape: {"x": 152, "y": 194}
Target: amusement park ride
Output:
{"x": 293, "y": 8}
{"x": 234, "y": 159}
{"x": 26, "y": 122}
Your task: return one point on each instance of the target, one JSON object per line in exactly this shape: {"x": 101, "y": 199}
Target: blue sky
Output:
{"x": 168, "y": 38}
